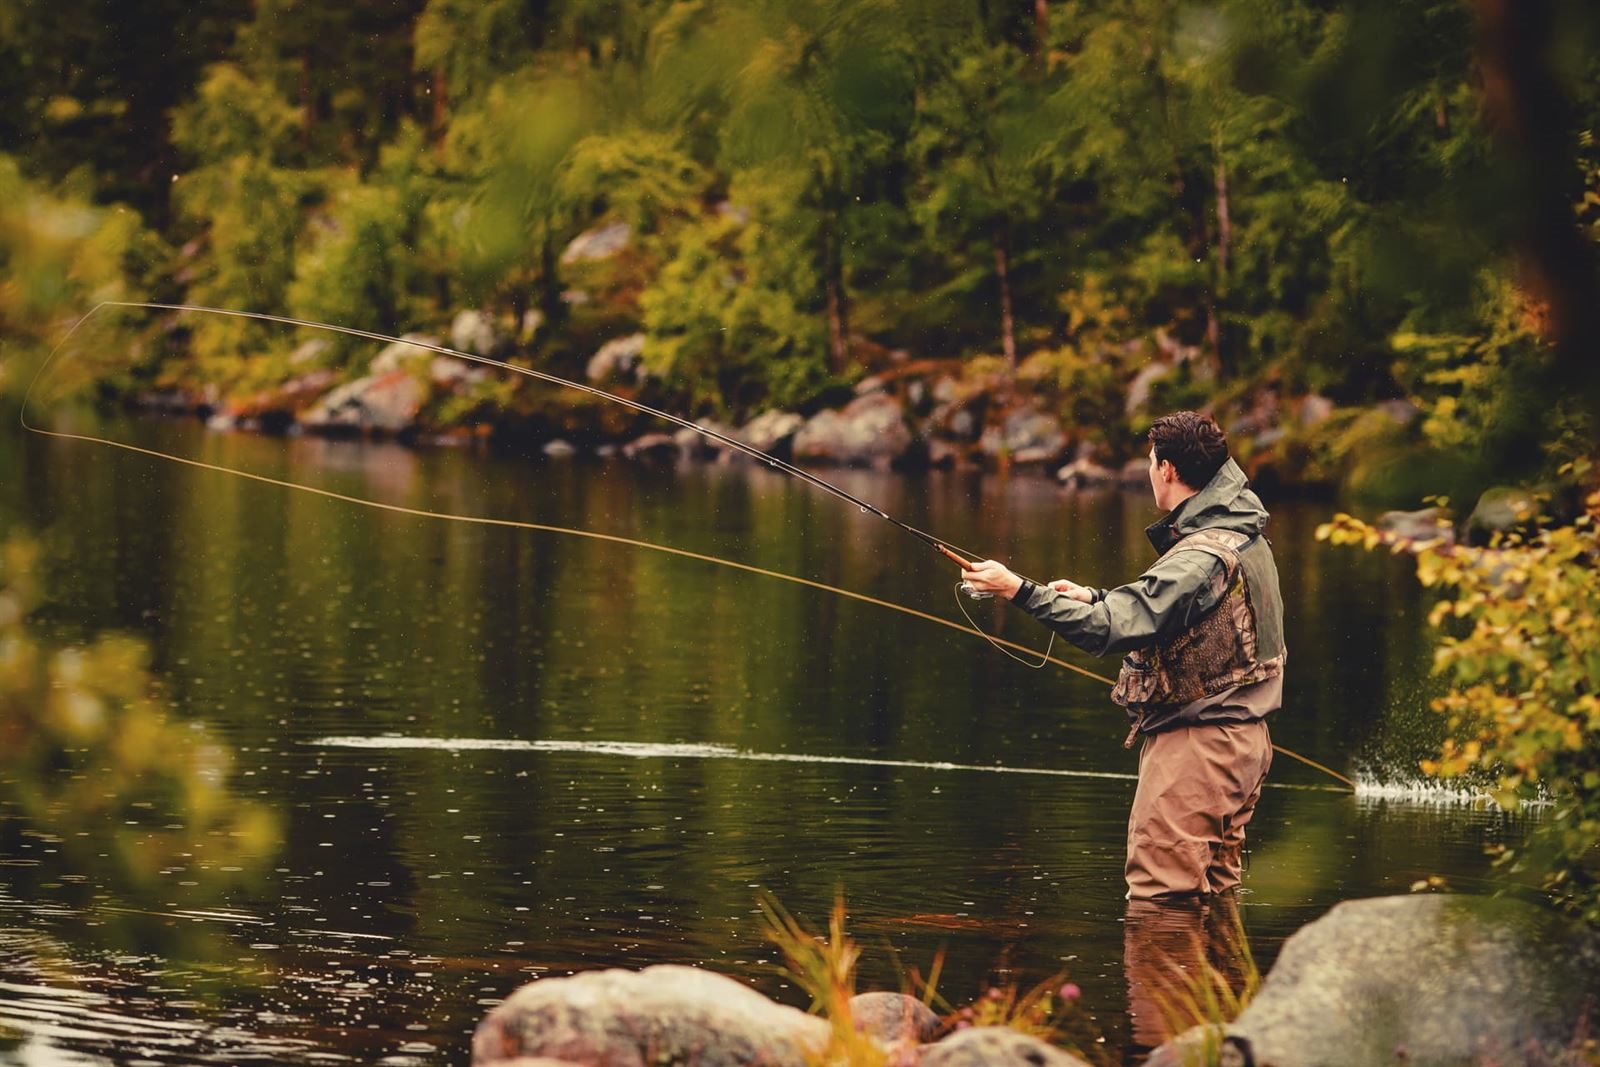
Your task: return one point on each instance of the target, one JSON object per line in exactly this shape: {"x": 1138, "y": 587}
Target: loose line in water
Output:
{"x": 478, "y": 520}
{"x": 671, "y": 750}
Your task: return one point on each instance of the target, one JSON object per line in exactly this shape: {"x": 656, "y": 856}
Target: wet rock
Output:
{"x": 663, "y": 1014}
{"x": 1501, "y": 510}
{"x": 602, "y": 242}
{"x": 870, "y": 430}
{"x": 1426, "y": 524}
{"x": 695, "y": 445}
{"x": 387, "y": 403}
{"x": 652, "y": 446}
{"x": 996, "y": 1046}
{"x": 1431, "y": 980}
{"x": 772, "y": 432}
{"x": 1025, "y": 436}
{"x": 617, "y": 360}
{"x": 1085, "y": 474}
{"x": 558, "y": 447}
{"x": 890, "y": 1018}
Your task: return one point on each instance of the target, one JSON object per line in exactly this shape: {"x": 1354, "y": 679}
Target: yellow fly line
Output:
{"x": 537, "y": 527}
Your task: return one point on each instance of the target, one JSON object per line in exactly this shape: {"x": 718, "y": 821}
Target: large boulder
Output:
{"x": 869, "y": 431}
{"x": 402, "y": 354}
{"x": 474, "y": 331}
{"x": 600, "y": 243}
{"x": 893, "y": 1018}
{"x": 1431, "y": 980}
{"x": 659, "y": 1015}
{"x": 385, "y": 403}
{"x": 1025, "y": 436}
{"x": 996, "y": 1046}
{"x": 772, "y": 432}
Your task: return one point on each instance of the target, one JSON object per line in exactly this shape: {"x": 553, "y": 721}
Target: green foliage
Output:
{"x": 722, "y": 329}
{"x": 59, "y": 256}
{"x": 1519, "y": 649}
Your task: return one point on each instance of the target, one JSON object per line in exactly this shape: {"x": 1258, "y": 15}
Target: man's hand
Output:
{"x": 992, "y": 577}
{"x": 1073, "y": 590}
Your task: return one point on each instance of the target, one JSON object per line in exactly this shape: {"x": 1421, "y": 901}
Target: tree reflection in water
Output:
{"x": 104, "y": 796}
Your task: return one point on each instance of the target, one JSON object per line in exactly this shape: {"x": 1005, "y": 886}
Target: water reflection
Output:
{"x": 798, "y": 743}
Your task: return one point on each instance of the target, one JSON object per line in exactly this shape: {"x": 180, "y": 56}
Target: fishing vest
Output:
{"x": 1238, "y": 642}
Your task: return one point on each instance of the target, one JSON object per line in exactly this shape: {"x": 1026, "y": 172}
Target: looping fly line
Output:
{"x": 938, "y": 544}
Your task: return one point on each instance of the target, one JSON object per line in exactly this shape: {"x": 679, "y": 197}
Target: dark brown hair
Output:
{"x": 1191, "y": 442}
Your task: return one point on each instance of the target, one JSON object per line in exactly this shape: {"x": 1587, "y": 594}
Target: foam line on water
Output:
{"x": 1431, "y": 793}
{"x": 668, "y": 750}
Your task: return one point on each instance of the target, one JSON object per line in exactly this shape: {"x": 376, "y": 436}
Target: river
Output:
{"x": 495, "y": 754}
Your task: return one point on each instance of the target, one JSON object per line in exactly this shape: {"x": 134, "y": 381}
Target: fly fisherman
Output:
{"x": 1201, "y": 635}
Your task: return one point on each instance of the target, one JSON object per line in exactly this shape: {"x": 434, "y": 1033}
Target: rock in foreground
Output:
{"x": 650, "y": 1018}
{"x": 1425, "y": 981}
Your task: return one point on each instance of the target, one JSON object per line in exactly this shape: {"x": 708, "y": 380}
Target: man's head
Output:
{"x": 1186, "y": 451}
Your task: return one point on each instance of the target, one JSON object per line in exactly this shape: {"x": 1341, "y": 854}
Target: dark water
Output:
{"x": 495, "y": 755}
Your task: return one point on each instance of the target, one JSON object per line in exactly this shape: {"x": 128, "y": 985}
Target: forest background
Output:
{"x": 1362, "y": 233}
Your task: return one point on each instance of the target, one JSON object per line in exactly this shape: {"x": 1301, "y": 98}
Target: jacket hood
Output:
{"x": 1226, "y": 503}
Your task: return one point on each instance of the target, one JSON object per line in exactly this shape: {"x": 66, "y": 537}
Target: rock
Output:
{"x": 695, "y": 445}
{"x": 996, "y": 1046}
{"x": 772, "y": 432}
{"x": 890, "y": 1018}
{"x": 1427, "y": 524}
{"x": 602, "y": 242}
{"x": 1026, "y": 436}
{"x": 652, "y": 446}
{"x": 1501, "y": 510}
{"x": 558, "y": 447}
{"x": 386, "y": 402}
{"x": 1429, "y": 980}
{"x": 450, "y": 371}
{"x": 661, "y": 1015}
{"x": 870, "y": 430}
{"x": 1085, "y": 474}
{"x": 474, "y": 331}
{"x": 401, "y": 355}
{"x": 617, "y": 360}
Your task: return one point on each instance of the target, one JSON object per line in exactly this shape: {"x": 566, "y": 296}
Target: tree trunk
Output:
{"x": 1532, "y": 120}
{"x": 1002, "y": 271}
{"x": 441, "y": 106}
{"x": 838, "y": 301}
{"x": 1041, "y": 22}
{"x": 1224, "y": 222}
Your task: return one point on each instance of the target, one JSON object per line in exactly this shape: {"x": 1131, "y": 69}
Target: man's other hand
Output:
{"x": 1073, "y": 590}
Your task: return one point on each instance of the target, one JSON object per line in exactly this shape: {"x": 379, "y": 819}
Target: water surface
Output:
{"x": 497, "y": 755}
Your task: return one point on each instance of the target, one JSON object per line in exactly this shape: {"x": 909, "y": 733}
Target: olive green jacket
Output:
{"x": 1176, "y": 592}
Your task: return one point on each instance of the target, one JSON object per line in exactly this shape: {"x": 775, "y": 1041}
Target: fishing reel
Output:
{"x": 973, "y": 593}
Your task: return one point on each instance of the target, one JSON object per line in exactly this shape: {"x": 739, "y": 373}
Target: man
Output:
{"x": 1202, "y": 634}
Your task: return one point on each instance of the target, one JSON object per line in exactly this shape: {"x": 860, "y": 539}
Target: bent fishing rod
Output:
{"x": 936, "y": 544}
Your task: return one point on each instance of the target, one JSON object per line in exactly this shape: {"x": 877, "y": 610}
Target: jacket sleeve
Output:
{"x": 1162, "y": 602}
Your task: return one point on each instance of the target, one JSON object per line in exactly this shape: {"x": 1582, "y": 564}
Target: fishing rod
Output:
{"x": 938, "y": 545}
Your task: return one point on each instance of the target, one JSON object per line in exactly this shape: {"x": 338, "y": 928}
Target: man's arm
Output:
{"x": 1162, "y": 602}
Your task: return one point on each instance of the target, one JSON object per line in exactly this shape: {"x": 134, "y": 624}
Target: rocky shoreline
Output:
{"x": 1427, "y": 980}
{"x": 910, "y": 414}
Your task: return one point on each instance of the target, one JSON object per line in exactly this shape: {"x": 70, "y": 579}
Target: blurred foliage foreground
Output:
{"x": 90, "y": 758}
{"x": 1519, "y": 649}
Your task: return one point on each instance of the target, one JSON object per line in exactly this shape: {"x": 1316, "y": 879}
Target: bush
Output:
{"x": 1520, "y": 649}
